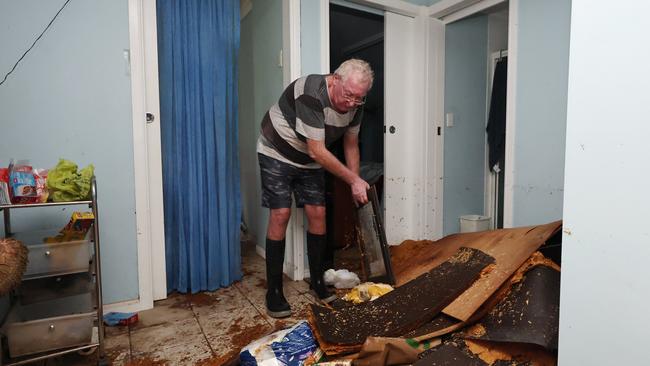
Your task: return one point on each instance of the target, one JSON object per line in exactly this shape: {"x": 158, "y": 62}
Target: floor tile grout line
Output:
{"x": 253, "y": 305}
{"x": 128, "y": 329}
{"x": 254, "y": 254}
{"x": 196, "y": 317}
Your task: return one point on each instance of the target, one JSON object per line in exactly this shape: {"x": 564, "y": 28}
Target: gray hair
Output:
{"x": 356, "y": 66}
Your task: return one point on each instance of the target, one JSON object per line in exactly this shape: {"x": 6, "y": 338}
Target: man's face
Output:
{"x": 350, "y": 93}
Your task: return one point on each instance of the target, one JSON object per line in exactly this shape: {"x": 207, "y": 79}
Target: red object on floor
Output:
{"x": 130, "y": 320}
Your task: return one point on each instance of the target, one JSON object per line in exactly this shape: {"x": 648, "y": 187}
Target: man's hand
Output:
{"x": 360, "y": 191}
{"x": 322, "y": 156}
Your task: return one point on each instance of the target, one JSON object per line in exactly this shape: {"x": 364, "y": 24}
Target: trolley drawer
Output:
{"x": 51, "y": 288}
{"x": 47, "y": 259}
{"x": 50, "y": 325}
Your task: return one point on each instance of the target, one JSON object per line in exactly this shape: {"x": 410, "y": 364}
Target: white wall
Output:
{"x": 606, "y": 242}
{"x": 497, "y": 33}
{"x": 422, "y": 2}
{"x": 70, "y": 97}
{"x": 538, "y": 141}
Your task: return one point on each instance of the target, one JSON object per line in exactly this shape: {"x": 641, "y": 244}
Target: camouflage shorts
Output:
{"x": 280, "y": 180}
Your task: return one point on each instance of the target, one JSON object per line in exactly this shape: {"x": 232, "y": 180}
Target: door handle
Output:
{"x": 392, "y": 129}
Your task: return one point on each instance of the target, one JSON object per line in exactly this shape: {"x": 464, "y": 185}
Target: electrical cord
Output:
{"x": 33, "y": 44}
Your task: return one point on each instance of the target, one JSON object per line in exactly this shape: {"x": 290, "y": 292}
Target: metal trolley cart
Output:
{"x": 57, "y": 309}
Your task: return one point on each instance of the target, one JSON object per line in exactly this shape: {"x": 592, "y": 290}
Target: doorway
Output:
{"x": 356, "y": 33}
{"x": 496, "y": 137}
{"x": 471, "y": 186}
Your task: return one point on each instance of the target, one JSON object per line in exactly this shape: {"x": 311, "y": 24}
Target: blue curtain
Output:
{"x": 198, "y": 46}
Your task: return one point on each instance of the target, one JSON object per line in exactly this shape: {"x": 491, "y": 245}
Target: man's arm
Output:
{"x": 329, "y": 162}
{"x": 351, "y": 151}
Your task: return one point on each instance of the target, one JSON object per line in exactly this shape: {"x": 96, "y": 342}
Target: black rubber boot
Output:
{"x": 315, "y": 252}
{"x": 276, "y": 305}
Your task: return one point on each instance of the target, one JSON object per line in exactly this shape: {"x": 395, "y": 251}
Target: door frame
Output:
{"x": 445, "y": 12}
{"x": 422, "y": 193}
{"x": 294, "y": 264}
{"x": 147, "y": 160}
{"x": 491, "y": 200}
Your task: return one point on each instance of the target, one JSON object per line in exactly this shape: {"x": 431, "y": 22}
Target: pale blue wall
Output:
{"x": 310, "y": 37}
{"x": 542, "y": 69}
{"x": 260, "y": 85}
{"x": 464, "y": 149}
{"x": 71, "y": 97}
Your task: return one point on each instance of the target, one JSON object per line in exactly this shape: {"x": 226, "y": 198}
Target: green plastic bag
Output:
{"x": 65, "y": 184}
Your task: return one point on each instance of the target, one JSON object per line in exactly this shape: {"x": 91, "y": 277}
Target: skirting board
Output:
{"x": 130, "y": 306}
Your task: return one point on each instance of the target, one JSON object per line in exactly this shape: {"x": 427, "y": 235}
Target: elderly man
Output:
{"x": 312, "y": 112}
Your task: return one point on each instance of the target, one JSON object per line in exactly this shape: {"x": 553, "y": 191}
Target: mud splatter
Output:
{"x": 146, "y": 361}
{"x": 181, "y": 301}
{"x": 202, "y": 299}
{"x": 242, "y": 337}
{"x": 279, "y": 324}
{"x": 114, "y": 354}
{"x": 229, "y": 359}
{"x": 261, "y": 283}
{"x": 235, "y": 327}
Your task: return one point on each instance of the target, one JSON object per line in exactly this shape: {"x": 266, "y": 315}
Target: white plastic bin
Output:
{"x": 472, "y": 223}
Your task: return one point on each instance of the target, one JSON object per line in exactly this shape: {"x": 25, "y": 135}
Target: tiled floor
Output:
{"x": 203, "y": 329}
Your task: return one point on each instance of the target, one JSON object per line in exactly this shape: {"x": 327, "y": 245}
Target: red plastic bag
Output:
{"x": 5, "y": 197}
{"x": 40, "y": 176}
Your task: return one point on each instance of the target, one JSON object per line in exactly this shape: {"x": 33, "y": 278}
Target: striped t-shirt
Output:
{"x": 304, "y": 112}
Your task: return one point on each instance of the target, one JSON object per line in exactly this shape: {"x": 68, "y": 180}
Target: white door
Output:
{"x": 406, "y": 140}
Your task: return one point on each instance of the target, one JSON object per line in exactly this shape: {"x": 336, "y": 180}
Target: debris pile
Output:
{"x": 486, "y": 298}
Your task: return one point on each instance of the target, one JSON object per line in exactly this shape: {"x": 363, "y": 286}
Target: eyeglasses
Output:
{"x": 351, "y": 99}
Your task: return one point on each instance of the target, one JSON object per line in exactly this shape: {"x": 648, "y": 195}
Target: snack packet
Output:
{"x": 22, "y": 185}
{"x": 295, "y": 346}
{"x": 76, "y": 229}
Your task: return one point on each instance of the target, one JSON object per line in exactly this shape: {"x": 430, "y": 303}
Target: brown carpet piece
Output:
{"x": 448, "y": 355}
{"x": 403, "y": 309}
{"x": 443, "y": 324}
{"x": 510, "y": 354}
{"x": 529, "y": 314}
{"x": 509, "y": 247}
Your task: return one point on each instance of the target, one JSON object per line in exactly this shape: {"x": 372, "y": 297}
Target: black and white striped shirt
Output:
{"x": 304, "y": 112}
